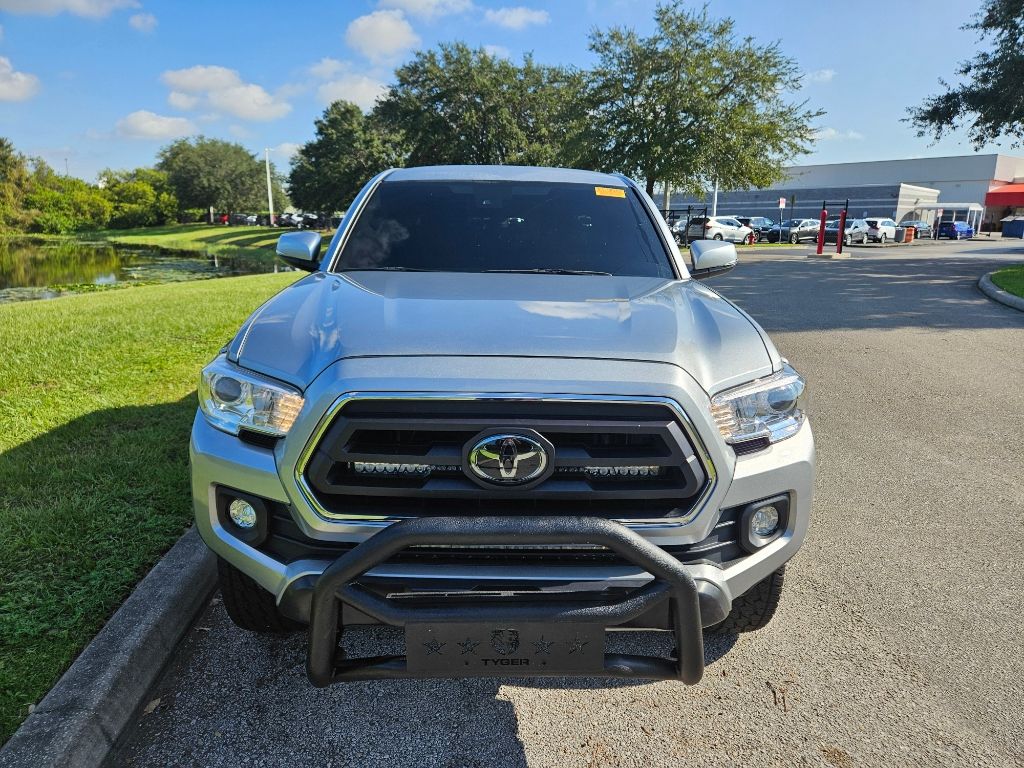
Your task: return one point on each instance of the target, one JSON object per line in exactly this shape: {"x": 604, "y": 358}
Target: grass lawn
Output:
{"x": 98, "y": 395}
{"x": 1011, "y": 279}
{"x": 206, "y": 238}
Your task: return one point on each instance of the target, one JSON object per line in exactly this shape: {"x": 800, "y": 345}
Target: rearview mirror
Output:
{"x": 711, "y": 257}
{"x": 300, "y": 250}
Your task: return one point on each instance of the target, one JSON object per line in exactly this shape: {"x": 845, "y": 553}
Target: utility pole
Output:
{"x": 66, "y": 171}
{"x": 666, "y": 200}
{"x": 270, "y": 192}
{"x": 714, "y": 200}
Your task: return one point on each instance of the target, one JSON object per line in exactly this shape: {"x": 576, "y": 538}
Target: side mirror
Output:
{"x": 300, "y": 250}
{"x": 711, "y": 257}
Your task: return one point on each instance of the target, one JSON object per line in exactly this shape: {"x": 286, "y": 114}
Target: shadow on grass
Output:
{"x": 85, "y": 511}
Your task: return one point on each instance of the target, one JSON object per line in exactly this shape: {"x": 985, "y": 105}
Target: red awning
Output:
{"x": 1008, "y": 194}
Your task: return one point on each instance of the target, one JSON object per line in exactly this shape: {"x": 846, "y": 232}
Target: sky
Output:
{"x": 94, "y": 84}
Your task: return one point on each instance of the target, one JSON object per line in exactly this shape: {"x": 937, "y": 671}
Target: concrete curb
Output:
{"x": 996, "y": 293}
{"x": 80, "y": 720}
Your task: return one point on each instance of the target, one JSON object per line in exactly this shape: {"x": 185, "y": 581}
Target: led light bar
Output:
{"x": 633, "y": 471}
{"x": 386, "y": 468}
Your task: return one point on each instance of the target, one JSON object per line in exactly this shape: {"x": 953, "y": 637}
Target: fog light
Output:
{"x": 764, "y": 521}
{"x": 242, "y": 514}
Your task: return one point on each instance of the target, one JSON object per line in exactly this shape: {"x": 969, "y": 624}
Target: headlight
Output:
{"x": 233, "y": 399}
{"x": 768, "y": 407}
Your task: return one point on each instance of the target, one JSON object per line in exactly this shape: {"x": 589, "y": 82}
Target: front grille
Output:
{"x": 420, "y": 444}
{"x": 287, "y": 543}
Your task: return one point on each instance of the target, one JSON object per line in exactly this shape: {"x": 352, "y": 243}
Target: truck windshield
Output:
{"x": 505, "y": 226}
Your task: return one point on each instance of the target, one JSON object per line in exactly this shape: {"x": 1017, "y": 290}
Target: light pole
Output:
{"x": 270, "y": 192}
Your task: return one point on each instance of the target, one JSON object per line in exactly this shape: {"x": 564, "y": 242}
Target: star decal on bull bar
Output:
{"x": 542, "y": 646}
{"x": 434, "y": 647}
{"x": 577, "y": 644}
{"x": 469, "y": 646}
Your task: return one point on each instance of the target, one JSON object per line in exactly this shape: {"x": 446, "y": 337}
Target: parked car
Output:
{"x": 881, "y": 230}
{"x": 794, "y": 231}
{"x": 252, "y": 219}
{"x": 288, "y": 220}
{"x": 956, "y": 230}
{"x": 719, "y": 228}
{"x": 494, "y": 512}
{"x": 921, "y": 228}
{"x": 856, "y": 231}
{"x": 760, "y": 224}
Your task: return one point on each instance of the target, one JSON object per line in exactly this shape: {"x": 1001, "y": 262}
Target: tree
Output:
{"x": 459, "y": 105}
{"x": 990, "y": 101}
{"x": 690, "y": 105}
{"x": 210, "y": 172}
{"x": 140, "y": 198}
{"x": 62, "y": 204}
{"x": 349, "y": 148}
{"x": 14, "y": 183}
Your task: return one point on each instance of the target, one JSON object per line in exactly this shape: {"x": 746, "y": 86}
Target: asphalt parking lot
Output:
{"x": 898, "y": 641}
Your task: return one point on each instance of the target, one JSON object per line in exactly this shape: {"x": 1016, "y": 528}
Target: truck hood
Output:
{"x": 327, "y": 317}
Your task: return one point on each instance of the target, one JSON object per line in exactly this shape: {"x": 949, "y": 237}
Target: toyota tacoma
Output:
{"x": 503, "y": 413}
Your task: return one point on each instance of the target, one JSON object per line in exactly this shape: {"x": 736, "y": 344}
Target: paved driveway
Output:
{"x": 898, "y": 641}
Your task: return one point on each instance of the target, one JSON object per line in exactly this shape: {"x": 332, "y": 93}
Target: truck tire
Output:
{"x": 753, "y": 609}
{"x": 248, "y": 604}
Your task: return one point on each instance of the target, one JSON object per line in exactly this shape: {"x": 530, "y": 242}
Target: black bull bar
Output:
{"x": 541, "y": 636}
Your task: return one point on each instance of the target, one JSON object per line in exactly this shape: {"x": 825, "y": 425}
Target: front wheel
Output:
{"x": 249, "y": 605}
{"x": 718, "y": 236}
{"x": 847, "y": 240}
{"x": 793, "y": 239}
{"x": 754, "y": 608}
{"x": 864, "y": 239}
{"x": 882, "y": 238}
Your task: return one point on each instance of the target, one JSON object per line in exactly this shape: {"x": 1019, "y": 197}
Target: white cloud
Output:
{"x": 201, "y": 78}
{"x": 143, "y": 22}
{"x": 147, "y": 125}
{"x": 248, "y": 102}
{"x": 381, "y": 35}
{"x": 343, "y": 81}
{"x": 518, "y": 17}
{"x": 286, "y": 149}
{"x": 832, "y": 134}
{"x": 820, "y": 76}
{"x": 428, "y": 9}
{"x": 222, "y": 89}
{"x": 183, "y": 101}
{"x": 361, "y": 90}
{"x": 498, "y": 51}
{"x": 14, "y": 85}
{"x": 91, "y": 8}
{"x": 327, "y": 68}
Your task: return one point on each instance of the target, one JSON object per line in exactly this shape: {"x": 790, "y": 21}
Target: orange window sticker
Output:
{"x": 609, "y": 192}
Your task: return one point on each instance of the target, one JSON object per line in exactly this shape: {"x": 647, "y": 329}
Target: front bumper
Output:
{"x": 786, "y": 467}
{"x": 504, "y": 634}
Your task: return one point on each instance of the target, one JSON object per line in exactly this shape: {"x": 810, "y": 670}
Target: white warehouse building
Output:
{"x": 988, "y": 187}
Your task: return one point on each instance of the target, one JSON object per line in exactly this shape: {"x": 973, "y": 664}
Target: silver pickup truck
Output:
{"x": 502, "y": 413}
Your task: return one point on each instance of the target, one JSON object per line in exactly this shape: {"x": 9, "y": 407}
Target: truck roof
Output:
{"x": 503, "y": 173}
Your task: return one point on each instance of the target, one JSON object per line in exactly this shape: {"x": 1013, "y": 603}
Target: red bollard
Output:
{"x": 821, "y": 232}
{"x": 841, "y": 234}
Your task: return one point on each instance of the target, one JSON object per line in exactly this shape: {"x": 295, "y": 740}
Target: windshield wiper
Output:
{"x": 551, "y": 271}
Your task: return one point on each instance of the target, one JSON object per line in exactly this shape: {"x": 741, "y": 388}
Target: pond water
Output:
{"x": 42, "y": 270}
